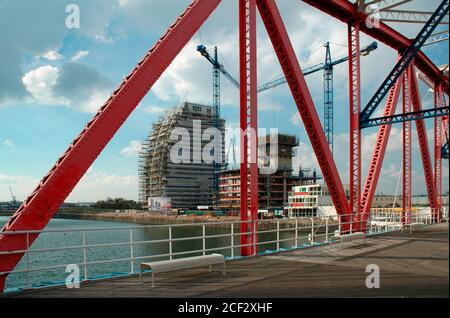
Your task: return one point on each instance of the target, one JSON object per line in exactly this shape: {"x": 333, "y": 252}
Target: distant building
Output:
{"x": 85, "y": 204}
{"x": 273, "y": 188}
{"x": 185, "y": 185}
{"x": 314, "y": 200}
{"x": 309, "y": 201}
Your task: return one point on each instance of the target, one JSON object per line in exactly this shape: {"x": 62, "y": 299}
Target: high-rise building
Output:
{"x": 165, "y": 179}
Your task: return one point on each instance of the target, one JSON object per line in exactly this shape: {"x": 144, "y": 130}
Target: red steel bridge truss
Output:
{"x": 44, "y": 202}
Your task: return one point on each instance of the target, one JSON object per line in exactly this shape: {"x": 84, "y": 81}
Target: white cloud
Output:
{"x": 296, "y": 120}
{"x": 94, "y": 100}
{"x": 73, "y": 85}
{"x": 132, "y": 150}
{"x": 40, "y": 30}
{"x": 8, "y": 143}
{"x": 40, "y": 82}
{"x": 154, "y": 109}
{"x": 52, "y": 55}
{"x": 263, "y": 106}
{"x": 22, "y": 186}
{"x": 79, "y": 55}
{"x": 96, "y": 185}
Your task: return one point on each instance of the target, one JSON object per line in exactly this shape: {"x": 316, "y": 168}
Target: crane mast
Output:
{"x": 328, "y": 97}
{"x": 327, "y": 67}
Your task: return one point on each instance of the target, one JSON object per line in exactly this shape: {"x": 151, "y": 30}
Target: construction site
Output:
{"x": 185, "y": 185}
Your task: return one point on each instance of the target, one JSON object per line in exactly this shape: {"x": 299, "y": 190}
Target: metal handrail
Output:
{"x": 379, "y": 221}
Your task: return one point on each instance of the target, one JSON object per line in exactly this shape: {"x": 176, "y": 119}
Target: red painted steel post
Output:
{"x": 355, "y": 132}
{"x": 302, "y": 97}
{"x": 423, "y": 139}
{"x": 44, "y": 202}
{"x": 438, "y": 102}
{"x": 249, "y": 126}
{"x": 406, "y": 152}
{"x": 244, "y": 238}
{"x": 378, "y": 154}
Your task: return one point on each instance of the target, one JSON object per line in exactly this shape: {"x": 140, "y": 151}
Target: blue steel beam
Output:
{"x": 405, "y": 60}
{"x": 400, "y": 118}
{"x": 444, "y": 151}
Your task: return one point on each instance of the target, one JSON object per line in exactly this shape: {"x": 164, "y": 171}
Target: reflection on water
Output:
{"x": 140, "y": 248}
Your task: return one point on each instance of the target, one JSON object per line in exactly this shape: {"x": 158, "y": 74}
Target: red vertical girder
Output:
{"x": 355, "y": 132}
{"x": 378, "y": 154}
{"x": 302, "y": 97}
{"x": 423, "y": 140}
{"x": 406, "y": 151}
{"x": 249, "y": 126}
{"x": 45, "y": 200}
{"x": 438, "y": 102}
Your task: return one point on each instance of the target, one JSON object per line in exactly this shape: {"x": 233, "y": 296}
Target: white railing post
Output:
{"x": 351, "y": 224}
{"x": 232, "y": 240}
{"x": 131, "y": 251}
{"x": 326, "y": 230}
{"x": 340, "y": 221}
{"x": 312, "y": 231}
{"x": 84, "y": 256}
{"x": 170, "y": 243}
{"x": 204, "y": 239}
{"x": 296, "y": 233}
{"x": 278, "y": 235}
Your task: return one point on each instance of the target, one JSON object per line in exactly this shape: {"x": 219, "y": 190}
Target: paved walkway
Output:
{"x": 411, "y": 266}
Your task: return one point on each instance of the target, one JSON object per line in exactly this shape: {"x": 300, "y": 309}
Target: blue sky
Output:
{"x": 52, "y": 80}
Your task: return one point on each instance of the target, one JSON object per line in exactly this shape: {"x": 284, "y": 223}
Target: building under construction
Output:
{"x": 273, "y": 188}
{"x": 166, "y": 183}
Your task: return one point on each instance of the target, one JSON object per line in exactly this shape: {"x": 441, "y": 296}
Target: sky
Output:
{"x": 53, "y": 79}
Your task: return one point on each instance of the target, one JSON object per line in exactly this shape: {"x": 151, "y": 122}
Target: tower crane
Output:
{"x": 327, "y": 68}
{"x": 13, "y": 197}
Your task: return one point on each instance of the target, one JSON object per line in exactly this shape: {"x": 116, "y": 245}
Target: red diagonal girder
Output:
{"x": 44, "y": 202}
{"x": 378, "y": 153}
{"x": 346, "y": 12}
{"x": 297, "y": 84}
{"x": 423, "y": 140}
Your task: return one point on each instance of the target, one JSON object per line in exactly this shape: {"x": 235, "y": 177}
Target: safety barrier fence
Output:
{"x": 128, "y": 246}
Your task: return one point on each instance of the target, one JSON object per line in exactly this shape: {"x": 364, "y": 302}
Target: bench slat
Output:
{"x": 184, "y": 263}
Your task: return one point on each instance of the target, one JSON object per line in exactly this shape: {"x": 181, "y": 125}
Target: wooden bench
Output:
{"x": 411, "y": 226}
{"x": 182, "y": 263}
{"x": 349, "y": 237}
